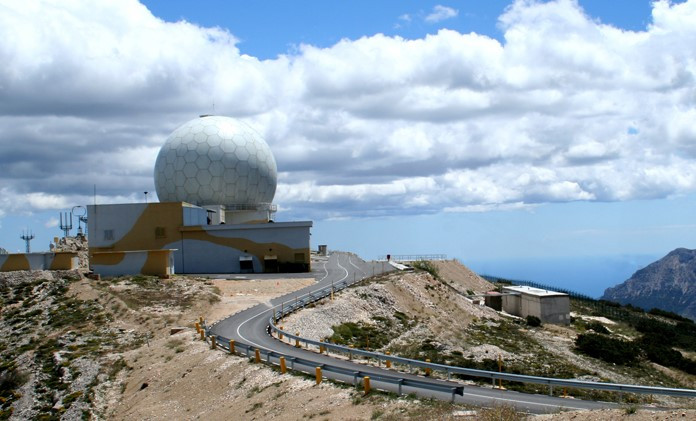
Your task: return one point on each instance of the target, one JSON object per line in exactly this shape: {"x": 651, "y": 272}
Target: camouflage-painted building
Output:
{"x": 178, "y": 237}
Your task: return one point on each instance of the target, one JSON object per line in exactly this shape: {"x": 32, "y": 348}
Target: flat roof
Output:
{"x": 538, "y": 292}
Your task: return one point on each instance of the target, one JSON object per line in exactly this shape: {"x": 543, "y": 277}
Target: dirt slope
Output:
{"x": 461, "y": 276}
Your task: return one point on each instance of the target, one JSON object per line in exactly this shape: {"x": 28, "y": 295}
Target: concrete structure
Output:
{"x": 216, "y": 178}
{"x": 494, "y": 300}
{"x": 549, "y": 306}
{"x": 65, "y": 260}
{"x": 195, "y": 245}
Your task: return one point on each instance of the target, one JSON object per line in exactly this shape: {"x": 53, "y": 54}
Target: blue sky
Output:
{"x": 523, "y": 138}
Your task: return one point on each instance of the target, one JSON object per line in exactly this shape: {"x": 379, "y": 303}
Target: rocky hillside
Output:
{"x": 668, "y": 284}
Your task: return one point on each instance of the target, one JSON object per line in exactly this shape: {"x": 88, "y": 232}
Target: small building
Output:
{"x": 549, "y": 306}
{"x": 178, "y": 237}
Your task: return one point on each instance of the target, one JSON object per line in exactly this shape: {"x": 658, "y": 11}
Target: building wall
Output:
{"x": 63, "y": 260}
{"x": 199, "y": 248}
{"x": 145, "y": 262}
{"x": 512, "y": 304}
{"x": 556, "y": 310}
{"x": 553, "y": 309}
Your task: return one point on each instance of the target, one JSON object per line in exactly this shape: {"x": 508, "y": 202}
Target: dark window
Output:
{"x": 160, "y": 232}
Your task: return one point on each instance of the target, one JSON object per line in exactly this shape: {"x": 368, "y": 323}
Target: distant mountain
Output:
{"x": 668, "y": 284}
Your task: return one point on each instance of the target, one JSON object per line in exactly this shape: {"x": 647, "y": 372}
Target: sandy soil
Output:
{"x": 461, "y": 276}
{"x": 237, "y": 295}
{"x": 620, "y": 414}
{"x": 179, "y": 377}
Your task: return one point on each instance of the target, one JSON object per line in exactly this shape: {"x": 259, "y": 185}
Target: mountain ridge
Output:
{"x": 668, "y": 284}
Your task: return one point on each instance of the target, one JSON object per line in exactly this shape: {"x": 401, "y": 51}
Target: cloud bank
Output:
{"x": 565, "y": 109}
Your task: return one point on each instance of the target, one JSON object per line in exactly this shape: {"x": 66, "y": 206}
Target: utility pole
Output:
{"x": 27, "y": 237}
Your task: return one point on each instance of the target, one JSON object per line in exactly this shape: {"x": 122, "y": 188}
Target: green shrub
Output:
{"x": 427, "y": 266}
{"x": 669, "y": 315}
{"x": 597, "y": 327}
{"x": 533, "y": 321}
{"x": 606, "y": 348}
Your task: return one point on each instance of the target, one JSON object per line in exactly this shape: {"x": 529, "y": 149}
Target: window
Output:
{"x": 160, "y": 232}
{"x": 108, "y": 235}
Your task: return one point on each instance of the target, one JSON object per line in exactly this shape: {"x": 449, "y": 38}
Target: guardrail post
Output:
{"x": 202, "y": 332}
{"x": 401, "y": 382}
{"x": 283, "y": 368}
{"x": 297, "y": 341}
{"x": 565, "y": 392}
{"x": 198, "y": 327}
{"x": 366, "y": 384}
{"x": 387, "y": 362}
{"x": 231, "y": 346}
{"x": 453, "y": 390}
{"x": 200, "y": 320}
{"x": 449, "y": 374}
{"x": 317, "y": 372}
{"x": 428, "y": 370}
{"x": 350, "y": 354}
{"x": 257, "y": 355}
{"x": 280, "y": 333}
{"x": 550, "y": 389}
{"x": 212, "y": 342}
{"x": 355, "y": 378}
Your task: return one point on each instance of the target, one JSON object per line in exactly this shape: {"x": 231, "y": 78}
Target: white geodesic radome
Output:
{"x": 215, "y": 160}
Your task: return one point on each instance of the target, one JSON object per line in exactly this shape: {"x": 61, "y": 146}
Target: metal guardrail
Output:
{"x": 316, "y": 295}
{"x": 299, "y": 302}
{"x": 273, "y": 357}
{"x": 414, "y": 257}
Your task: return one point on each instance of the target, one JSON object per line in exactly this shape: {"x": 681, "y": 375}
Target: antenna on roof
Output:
{"x": 66, "y": 223}
{"x": 27, "y": 236}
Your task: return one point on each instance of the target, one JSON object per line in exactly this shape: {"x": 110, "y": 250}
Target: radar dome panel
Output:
{"x": 215, "y": 160}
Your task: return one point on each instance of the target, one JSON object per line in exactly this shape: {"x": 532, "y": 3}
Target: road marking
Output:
{"x": 349, "y": 261}
{"x": 527, "y": 402}
{"x": 270, "y": 308}
{"x": 338, "y": 262}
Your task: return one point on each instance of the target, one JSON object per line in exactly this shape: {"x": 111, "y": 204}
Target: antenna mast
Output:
{"x": 27, "y": 237}
{"x": 66, "y": 223}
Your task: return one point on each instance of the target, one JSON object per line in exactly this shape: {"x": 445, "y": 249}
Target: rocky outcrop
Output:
{"x": 668, "y": 284}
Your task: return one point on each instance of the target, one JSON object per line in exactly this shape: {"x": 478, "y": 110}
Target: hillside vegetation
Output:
{"x": 418, "y": 315}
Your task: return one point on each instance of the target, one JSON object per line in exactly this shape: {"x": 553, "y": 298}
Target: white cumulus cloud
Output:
{"x": 441, "y": 13}
{"x": 565, "y": 108}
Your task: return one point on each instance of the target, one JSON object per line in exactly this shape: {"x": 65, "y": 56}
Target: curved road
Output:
{"x": 250, "y": 327}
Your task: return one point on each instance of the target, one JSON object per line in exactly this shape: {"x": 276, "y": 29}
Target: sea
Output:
{"x": 586, "y": 275}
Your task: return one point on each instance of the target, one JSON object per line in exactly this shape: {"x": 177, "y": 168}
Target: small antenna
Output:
{"x": 81, "y": 214}
{"x": 27, "y": 236}
{"x": 66, "y": 223}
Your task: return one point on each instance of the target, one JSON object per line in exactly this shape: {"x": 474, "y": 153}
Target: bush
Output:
{"x": 669, "y": 315}
{"x": 533, "y": 321}
{"x": 427, "y": 266}
{"x": 605, "y": 348}
{"x": 597, "y": 327}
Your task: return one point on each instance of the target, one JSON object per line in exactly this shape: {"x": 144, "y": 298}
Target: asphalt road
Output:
{"x": 250, "y": 327}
